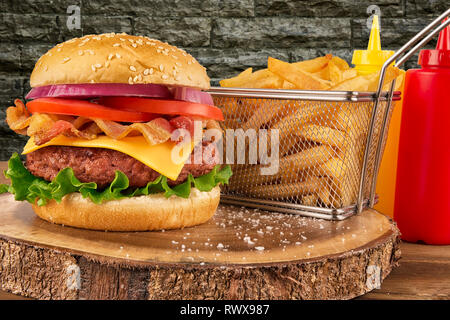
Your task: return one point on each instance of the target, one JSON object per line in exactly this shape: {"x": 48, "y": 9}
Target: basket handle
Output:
{"x": 407, "y": 54}
{"x": 404, "y": 54}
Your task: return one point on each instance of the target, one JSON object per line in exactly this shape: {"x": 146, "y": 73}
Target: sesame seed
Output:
{"x": 93, "y": 68}
{"x": 65, "y": 60}
{"x": 140, "y": 77}
{"x": 45, "y": 68}
{"x": 134, "y": 45}
{"x": 118, "y": 56}
{"x": 175, "y": 57}
{"x": 81, "y": 44}
{"x": 116, "y": 45}
{"x": 122, "y": 39}
{"x": 92, "y": 81}
{"x": 131, "y": 40}
{"x": 80, "y": 53}
{"x": 59, "y": 49}
{"x": 160, "y": 47}
{"x": 110, "y": 56}
{"x": 98, "y": 65}
{"x": 161, "y": 67}
{"x": 132, "y": 68}
{"x": 107, "y": 64}
{"x": 130, "y": 80}
{"x": 164, "y": 76}
{"x": 135, "y": 78}
{"x": 178, "y": 64}
{"x": 189, "y": 62}
{"x": 157, "y": 50}
{"x": 151, "y": 71}
{"x": 174, "y": 73}
{"x": 146, "y": 72}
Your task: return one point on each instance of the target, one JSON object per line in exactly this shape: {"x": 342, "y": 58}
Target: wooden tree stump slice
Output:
{"x": 239, "y": 254}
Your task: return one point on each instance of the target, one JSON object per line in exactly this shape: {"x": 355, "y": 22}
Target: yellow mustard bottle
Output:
{"x": 370, "y": 61}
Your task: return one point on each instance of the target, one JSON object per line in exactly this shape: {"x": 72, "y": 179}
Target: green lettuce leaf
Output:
{"x": 27, "y": 187}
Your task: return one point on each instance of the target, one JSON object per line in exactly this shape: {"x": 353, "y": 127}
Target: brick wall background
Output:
{"x": 226, "y": 36}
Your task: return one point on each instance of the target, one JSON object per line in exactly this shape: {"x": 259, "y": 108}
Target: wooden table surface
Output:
{"x": 424, "y": 273}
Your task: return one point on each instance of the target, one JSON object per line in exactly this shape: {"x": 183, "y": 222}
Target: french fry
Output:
{"x": 265, "y": 113}
{"x": 391, "y": 73}
{"x": 345, "y": 170}
{"x": 336, "y": 74}
{"x": 291, "y": 168}
{"x": 322, "y": 134}
{"x": 323, "y": 74}
{"x": 307, "y": 158}
{"x": 359, "y": 83}
{"x": 310, "y": 200}
{"x": 235, "y": 81}
{"x": 294, "y": 74}
{"x": 292, "y": 122}
{"x": 313, "y": 65}
{"x": 340, "y": 63}
{"x": 367, "y": 82}
{"x": 348, "y": 74}
{"x": 240, "y": 109}
{"x": 296, "y": 189}
{"x": 288, "y": 85}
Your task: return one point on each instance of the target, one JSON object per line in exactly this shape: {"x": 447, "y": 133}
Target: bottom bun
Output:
{"x": 143, "y": 213}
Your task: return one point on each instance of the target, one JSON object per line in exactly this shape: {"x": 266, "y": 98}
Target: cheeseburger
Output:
{"x": 117, "y": 137}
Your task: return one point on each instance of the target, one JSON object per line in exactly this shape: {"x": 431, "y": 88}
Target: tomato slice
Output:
{"x": 86, "y": 109}
{"x": 162, "y": 106}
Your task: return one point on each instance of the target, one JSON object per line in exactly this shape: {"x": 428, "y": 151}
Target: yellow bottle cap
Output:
{"x": 372, "y": 59}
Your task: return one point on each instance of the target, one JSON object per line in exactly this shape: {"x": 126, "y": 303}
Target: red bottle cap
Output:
{"x": 440, "y": 57}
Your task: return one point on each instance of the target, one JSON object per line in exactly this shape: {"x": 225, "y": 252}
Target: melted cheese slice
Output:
{"x": 166, "y": 158}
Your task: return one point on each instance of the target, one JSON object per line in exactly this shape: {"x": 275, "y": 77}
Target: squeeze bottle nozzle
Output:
{"x": 372, "y": 59}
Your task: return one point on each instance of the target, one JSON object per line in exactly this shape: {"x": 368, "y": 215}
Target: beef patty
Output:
{"x": 99, "y": 165}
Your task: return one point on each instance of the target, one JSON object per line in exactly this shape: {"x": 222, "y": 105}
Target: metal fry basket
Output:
{"x": 314, "y": 153}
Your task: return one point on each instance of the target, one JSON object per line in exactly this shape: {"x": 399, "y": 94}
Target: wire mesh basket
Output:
{"x": 314, "y": 153}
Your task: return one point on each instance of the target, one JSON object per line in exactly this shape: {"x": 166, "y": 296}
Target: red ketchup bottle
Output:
{"x": 422, "y": 198}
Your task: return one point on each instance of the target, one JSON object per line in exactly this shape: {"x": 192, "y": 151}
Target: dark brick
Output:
{"x": 417, "y": 8}
{"x": 11, "y": 87}
{"x": 281, "y": 33}
{"x": 30, "y": 53}
{"x": 155, "y": 8}
{"x": 10, "y": 57}
{"x": 95, "y": 25}
{"x": 320, "y": 8}
{"x": 39, "y": 6}
{"x": 301, "y": 54}
{"x": 10, "y": 143}
{"x": 186, "y": 32}
{"x": 235, "y": 8}
{"x": 394, "y": 32}
{"x": 28, "y": 27}
{"x": 229, "y": 62}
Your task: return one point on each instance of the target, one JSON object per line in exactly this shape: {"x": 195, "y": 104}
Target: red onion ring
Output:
{"x": 84, "y": 91}
{"x": 192, "y": 95}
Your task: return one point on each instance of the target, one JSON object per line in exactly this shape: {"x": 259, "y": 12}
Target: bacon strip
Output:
{"x": 45, "y": 127}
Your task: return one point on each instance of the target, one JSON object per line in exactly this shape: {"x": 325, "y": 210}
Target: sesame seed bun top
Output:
{"x": 118, "y": 58}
